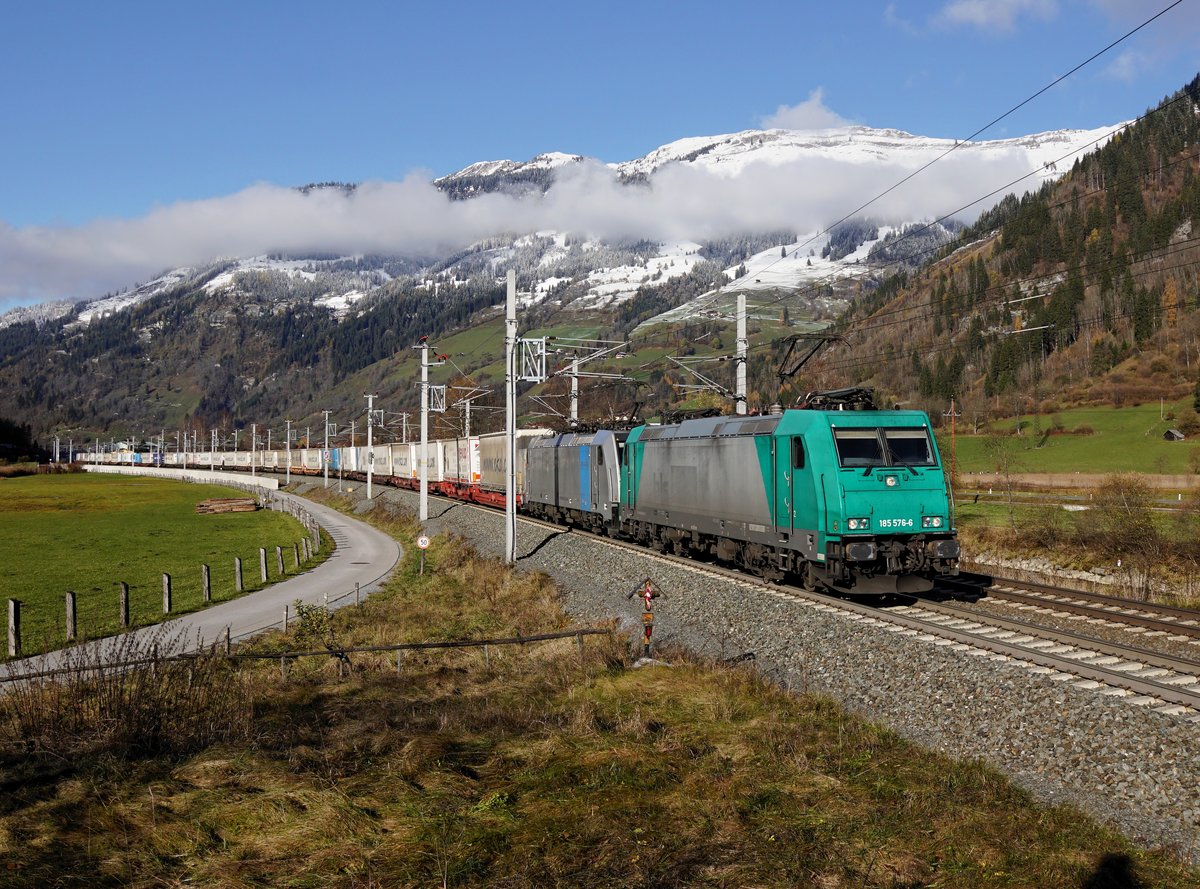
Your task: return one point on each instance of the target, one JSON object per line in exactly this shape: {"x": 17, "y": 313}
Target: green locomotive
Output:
{"x": 853, "y": 500}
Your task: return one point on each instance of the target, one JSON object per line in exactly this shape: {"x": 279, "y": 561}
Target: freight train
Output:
{"x": 856, "y": 501}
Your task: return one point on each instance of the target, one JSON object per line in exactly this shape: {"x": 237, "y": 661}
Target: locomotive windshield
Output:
{"x": 883, "y": 447}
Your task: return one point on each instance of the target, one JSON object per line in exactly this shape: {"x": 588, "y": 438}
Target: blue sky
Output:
{"x": 114, "y": 111}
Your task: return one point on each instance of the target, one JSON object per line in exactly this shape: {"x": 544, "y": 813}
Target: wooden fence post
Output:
{"x": 14, "y": 627}
{"x": 227, "y": 639}
{"x": 71, "y": 616}
{"x": 356, "y": 597}
{"x": 307, "y": 550}
{"x": 262, "y": 562}
{"x": 285, "y": 618}
{"x": 296, "y": 555}
{"x": 124, "y": 605}
{"x": 237, "y": 573}
{"x": 206, "y": 583}
{"x": 166, "y": 593}
{"x": 279, "y": 559}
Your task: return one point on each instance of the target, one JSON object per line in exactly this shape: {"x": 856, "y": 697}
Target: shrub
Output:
{"x": 1188, "y": 422}
{"x": 157, "y": 703}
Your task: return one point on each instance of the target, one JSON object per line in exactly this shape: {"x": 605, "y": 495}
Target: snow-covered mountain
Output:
{"x": 567, "y": 269}
{"x": 730, "y": 154}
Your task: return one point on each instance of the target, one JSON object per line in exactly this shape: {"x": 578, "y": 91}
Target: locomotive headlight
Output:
{"x": 890, "y": 481}
{"x": 931, "y": 521}
{"x": 858, "y": 524}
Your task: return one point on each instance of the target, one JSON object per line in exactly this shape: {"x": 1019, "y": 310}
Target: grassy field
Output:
{"x": 86, "y": 533}
{"x": 1121, "y": 440}
{"x": 530, "y": 766}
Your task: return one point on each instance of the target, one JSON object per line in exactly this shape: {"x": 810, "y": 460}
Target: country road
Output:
{"x": 363, "y": 556}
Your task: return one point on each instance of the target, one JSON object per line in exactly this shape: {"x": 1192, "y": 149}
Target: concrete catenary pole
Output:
{"x": 423, "y": 503}
{"x": 574, "y": 391}
{"x": 325, "y": 452}
{"x": 253, "y": 448}
{"x": 288, "y": 472}
{"x": 510, "y": 411}
{"x": 370, "y": 452}
{"x": 740, "y": 389}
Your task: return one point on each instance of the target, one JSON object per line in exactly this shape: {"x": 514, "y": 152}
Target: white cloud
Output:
{"x": 811, "y": 114}
{"x": 994, "y": 15}
{"x": 892, "y": 18}
{"x": 1127, "y": 66}
{"x": 411, "y": 217}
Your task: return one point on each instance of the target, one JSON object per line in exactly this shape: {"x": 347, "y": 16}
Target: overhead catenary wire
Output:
{"x": 959, "y": 143}
{"x": 914, "y": 231}
{"x": 924, "y": 310}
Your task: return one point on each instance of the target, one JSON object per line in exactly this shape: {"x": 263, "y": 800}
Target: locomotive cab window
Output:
{"x": 908, "y": 447}
{"x": 858, "y": 447}
{"x": 797, "y": 453}
{"x": 883, "y": 447}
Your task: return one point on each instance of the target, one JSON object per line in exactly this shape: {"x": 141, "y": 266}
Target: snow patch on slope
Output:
{"x": 119, "y": 302}
{"x": 730, "y": 154}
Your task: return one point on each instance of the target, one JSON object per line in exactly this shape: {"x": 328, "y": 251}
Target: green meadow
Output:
{"x": 87, "y": 533}
{"x": 1087, "y": 439}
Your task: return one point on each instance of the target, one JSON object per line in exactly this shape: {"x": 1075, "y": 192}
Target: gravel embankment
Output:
{"x": 1124, "y": 764}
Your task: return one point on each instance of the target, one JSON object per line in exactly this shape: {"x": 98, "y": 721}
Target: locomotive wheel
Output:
{"x": 808, "y": 580}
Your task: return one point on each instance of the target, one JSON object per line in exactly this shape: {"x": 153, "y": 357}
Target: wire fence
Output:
{"x": 342, "y": 653}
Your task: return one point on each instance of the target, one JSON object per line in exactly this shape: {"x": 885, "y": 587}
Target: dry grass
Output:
{"x": 536, "y": 766}
{"x": 158, "y": 704}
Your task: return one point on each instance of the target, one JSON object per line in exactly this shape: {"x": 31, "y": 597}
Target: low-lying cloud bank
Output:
{"x": 411, "y": 217}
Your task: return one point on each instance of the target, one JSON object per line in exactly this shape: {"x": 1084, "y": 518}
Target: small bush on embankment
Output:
{"x": 1124, "y": 528}
{"x": 128, "y": 696}
{"x": 535, "y": 765}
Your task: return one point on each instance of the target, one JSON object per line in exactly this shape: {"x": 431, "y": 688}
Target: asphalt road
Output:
{"x": 363, "y": 555}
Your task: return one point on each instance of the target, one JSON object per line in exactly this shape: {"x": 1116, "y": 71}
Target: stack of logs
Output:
{"x": 226, "y": 504}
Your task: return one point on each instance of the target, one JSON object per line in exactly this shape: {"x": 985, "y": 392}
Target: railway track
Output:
{"x": 1147, "y": 678}
{"x": 1060, "y": 734}
{"x": 1155, "y": 618}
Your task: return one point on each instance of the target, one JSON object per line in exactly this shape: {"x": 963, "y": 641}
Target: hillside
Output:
{"x": 256, "y": 339}
{"x": 1083, "y": 293}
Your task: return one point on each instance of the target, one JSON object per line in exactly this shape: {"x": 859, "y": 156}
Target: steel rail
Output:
{"x": 986, "y": 580}
{"x": 1120, "y": 611}
{"x": 1099, "y": 647}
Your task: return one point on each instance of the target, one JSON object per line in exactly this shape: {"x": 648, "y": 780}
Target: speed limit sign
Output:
{"x": 423, "y": 542}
